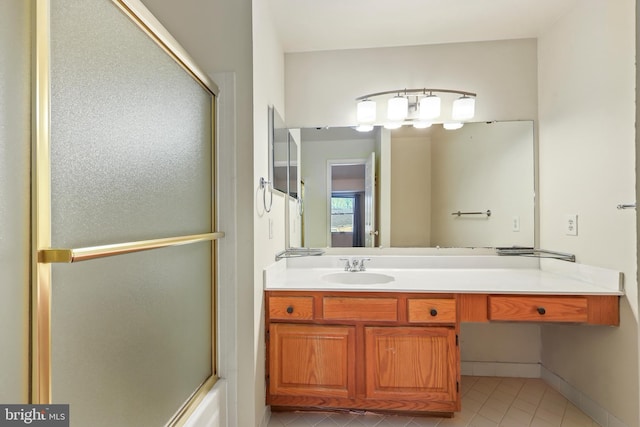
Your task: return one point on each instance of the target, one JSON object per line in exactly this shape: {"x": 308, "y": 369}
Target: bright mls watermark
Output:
{"x": 34, "y": 415}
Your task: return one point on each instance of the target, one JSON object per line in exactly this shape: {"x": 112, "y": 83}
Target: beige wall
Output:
{"x": 587, "y": 167}
{"x": 410, "y": 192}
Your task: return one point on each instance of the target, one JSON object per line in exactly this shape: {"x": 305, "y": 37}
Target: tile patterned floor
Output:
{"x": 486, "y": 402}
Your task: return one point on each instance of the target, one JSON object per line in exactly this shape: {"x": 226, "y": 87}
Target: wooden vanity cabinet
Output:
{"x": 581, "y": 309}
{"x": 363, "y": 351}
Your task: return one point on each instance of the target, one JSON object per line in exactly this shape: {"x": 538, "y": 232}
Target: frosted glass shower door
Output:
{"x": 129, "y": 152}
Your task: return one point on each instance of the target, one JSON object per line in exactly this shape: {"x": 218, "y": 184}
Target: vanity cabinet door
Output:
{"x": 413, "y": 363}
{"x": 312, "y": 360}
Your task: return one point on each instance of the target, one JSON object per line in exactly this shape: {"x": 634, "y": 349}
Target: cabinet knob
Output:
{"x": 290, "y": 309}
{"x": 433, "y": 312}
{"x": 541, "y": 310}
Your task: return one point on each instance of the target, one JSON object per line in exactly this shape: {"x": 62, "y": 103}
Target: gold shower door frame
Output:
{"x": 42, "y": 253}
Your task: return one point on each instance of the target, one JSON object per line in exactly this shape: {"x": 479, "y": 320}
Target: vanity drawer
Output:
{"x": 538, "y": 309}
{"x": 431, "y": 310}
{"x": 291, "y": 308}
{"x": 353, "y": 308}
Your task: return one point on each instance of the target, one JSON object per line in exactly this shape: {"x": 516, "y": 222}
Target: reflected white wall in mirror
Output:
{"x": 283, "y": 156}
{"x": 434, "y": 173}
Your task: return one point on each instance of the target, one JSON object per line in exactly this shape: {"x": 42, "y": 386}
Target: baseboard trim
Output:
{"x": 583, "y": 402}
{"x": 266, "y": 416}
{"x": 501, "y": 369}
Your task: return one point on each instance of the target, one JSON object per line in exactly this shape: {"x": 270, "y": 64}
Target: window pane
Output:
{"x": 342, "y": 214}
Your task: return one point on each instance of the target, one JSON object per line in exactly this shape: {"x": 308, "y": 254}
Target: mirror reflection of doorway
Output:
{"x": 347, "y": 205}
{"x": 351, "y": 202}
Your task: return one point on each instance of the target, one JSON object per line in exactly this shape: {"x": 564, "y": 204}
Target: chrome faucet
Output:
{"x": 354, "y": 264}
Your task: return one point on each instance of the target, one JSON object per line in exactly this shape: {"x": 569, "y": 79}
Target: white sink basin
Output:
{"x": 357, "y": 278}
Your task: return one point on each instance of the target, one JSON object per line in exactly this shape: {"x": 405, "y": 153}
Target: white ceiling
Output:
{"x": 309, "y": 25}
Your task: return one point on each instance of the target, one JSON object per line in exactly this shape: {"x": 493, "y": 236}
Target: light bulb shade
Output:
{"x": 452, "y": 125}
{"x": 392, "y": 125}
{"x": 397, "y": 108}
{"x": 421, "y": 125}
{"x": 463, "y": 108}
{"x": 429, "y": 107}
{"x": 364, "y": 128}
{"x": 366, "y": 111}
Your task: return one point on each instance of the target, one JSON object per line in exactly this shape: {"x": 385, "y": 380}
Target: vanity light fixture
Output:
{"x": 393, "y": 125}
{"x": 418, "y": 107}
{"x": 429, "y": 107}
{"x": 364, "y": 128}
{"x": 463, "y": 108}
{"x": 366, "y": 112}
{"x": 397, "y": 108}
{"x": 452, "y": 125}
{"x": 421, "y": 124}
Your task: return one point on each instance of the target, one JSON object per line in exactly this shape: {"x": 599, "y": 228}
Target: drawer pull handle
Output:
{"x": 541, "y": 310}
{"x": 290, "y": 309}
{"x": 433, "y": 312}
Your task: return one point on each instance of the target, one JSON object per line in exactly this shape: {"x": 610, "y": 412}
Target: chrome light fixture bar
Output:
{"x": 418, "y": 107}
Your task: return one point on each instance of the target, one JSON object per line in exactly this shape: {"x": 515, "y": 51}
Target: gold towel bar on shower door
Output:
{"x": 83, "y": 254}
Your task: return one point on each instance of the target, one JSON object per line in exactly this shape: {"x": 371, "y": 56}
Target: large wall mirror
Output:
{"x": 470, "y": 187}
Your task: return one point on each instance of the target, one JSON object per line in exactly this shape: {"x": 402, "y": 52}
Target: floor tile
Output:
{"x": 366, "y": 421}
{"x": 480, "y": 421}
{"x": 342, "y": 419}
{"x": 525, "y": 406}
{"x": 394, "y": 421}
{"x": 550, "y": 417}
{"x": 516, "y": 415}
{"x": 491, "y": 414}
{"x": 510, "y": 422}
{"x": 486, "y": 402}
{"x": 424, "y": 422}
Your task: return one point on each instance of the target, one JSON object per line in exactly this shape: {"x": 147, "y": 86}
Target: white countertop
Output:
{"x": 450, "y": 274}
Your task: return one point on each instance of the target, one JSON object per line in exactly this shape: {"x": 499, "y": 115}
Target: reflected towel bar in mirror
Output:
{"x": 487, "y": 213}
{"x": 627, "y": 206}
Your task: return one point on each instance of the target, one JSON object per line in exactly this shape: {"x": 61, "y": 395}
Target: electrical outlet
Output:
{"x": 571, "y": 224}
{"x": 515, "y": 223}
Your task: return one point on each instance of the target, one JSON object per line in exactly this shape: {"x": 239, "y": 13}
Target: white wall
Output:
{"x": 15, "y": 142}
{"x": 587, "y": 167}
{"x": 268, "y": 89}
{"x": 321, "y": 87}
